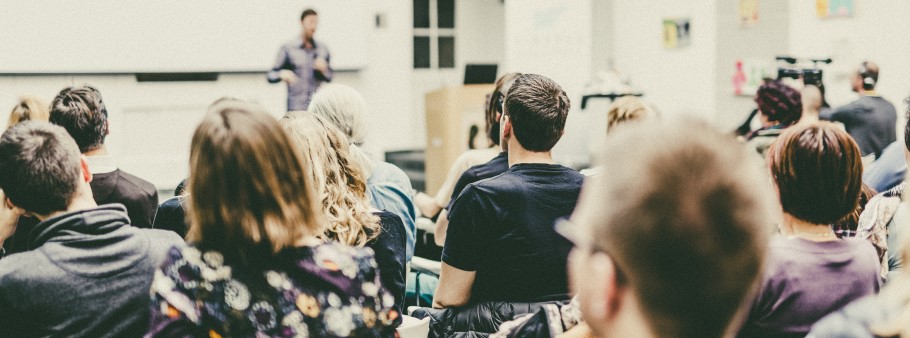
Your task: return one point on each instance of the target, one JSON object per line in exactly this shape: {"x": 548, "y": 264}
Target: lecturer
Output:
{"x": 303, "y": 64}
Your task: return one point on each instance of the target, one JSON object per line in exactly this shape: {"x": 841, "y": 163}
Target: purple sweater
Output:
{"x": 805, "y": 280}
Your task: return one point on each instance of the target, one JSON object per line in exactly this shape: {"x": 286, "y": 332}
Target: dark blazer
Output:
{"x": 139, "y": 196}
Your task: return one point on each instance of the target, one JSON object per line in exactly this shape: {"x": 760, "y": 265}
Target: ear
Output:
{"x": 86, "y": 172}
{"x": 17, "y": 210}
{"x": 107, "y": 128}
{"x": 604, "y": 299}
{"x": 506, "y": 124}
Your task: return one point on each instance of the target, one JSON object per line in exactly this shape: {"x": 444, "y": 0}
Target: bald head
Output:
{"x": 812, "y": 103}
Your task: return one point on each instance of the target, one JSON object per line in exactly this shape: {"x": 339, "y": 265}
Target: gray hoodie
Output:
{"x": 86, "y": 274}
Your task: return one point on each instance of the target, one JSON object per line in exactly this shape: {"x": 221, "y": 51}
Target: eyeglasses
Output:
{"x": 570, "y": 231}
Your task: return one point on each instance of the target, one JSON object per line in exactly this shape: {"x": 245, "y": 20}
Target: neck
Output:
{"x": 629, "y": 322}
{"x": 100, "y": 151}
{"x": 870, "y": 92}
{"x": 794, "y": 227}
{"x": 519, "y": 155}
{"x": 81, "y": 201}
{"x": 809, "y": 117}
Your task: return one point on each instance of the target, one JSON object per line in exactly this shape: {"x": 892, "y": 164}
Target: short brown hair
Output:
{"x": 39, "y": 167}
{"x": 81, "y": 111}
{"x": 685, "y": 217}
{"x": 537, "y": 107}
{"x": 818, "y": 170}
{"x": 249, "y": 195}
{"x": 307, "y": 12}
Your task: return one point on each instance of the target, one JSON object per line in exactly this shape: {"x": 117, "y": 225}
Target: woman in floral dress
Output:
{"x": 255, "y": 267}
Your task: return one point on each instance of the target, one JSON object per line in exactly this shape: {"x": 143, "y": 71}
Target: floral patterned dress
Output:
{"x": 329, "y": 290}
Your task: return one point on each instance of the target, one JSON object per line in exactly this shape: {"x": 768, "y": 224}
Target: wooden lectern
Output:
{"x": 450, "y": 113}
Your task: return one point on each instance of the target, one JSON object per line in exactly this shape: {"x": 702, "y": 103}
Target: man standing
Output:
{"x": 500, "y": 244}
{"x": 88, "y": 272}
{"x": 871, "y": 119}
{"x": 303, "y": 64}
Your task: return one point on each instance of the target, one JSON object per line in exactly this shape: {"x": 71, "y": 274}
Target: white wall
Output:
{"x": 553, "y": 38}
{"x": 877, "y": 32}
{"x": 678, "y": 81}
{"x": 768, "y": 38}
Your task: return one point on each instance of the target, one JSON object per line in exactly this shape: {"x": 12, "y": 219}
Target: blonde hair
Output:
{"x": 628, "y": 109}
{"x": 248, "y": 195}
{"x": 338, "y": 177}
{"x": 29, "y": 108}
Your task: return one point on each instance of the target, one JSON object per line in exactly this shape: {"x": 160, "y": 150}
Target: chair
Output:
{"x": 414, "y": 328}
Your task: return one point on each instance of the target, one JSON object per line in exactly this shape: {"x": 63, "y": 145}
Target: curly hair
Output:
{"x": 338, "y": 176}
{"x": 779, "y": 102}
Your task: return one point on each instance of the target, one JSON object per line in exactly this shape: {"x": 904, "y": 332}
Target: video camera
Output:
{"x": 810, "y": 76}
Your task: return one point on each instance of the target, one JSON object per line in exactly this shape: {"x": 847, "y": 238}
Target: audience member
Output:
{"x": 871, "y": 119}
{"x": 779, "y": 107}
{"x": 256, "y": 267}
{"x": 811, "y": 98}
{"x": 81, "y": 111}
{"x": 847, "y": 226}
{"x": 669, "y": 242}
{"x": 817, "y": 172}
{"x": 432, "y": 206}
{"x": 889, "y": 169}
{"x": 350, "y": 219}
{"x": 495, "y": 166}
{"x": 500, "y": 244}
{"x": 883, "y": 224}
{"x": 388, "y": 186}
{"x": 88, "y": 272}
{"x": 622, "y": 111}
{"x": 29, "y": 108}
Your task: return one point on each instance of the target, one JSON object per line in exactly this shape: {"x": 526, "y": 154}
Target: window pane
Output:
{"x": 421, "y": 13}
{"x": 446, "y": 12}
{"x": 446, "y": 52}
{"x": 421, "y": 52}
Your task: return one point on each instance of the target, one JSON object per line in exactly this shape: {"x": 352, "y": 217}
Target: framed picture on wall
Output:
{"x": 834, "y": 8}
{"x": 677, "y": 33}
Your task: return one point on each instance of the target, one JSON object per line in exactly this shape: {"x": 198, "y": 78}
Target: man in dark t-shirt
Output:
{"x": 871, "y": 119}
{"x": 501, "y": 243}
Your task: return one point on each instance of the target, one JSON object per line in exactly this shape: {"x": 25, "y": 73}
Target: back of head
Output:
{"x": 81, "y": 111}
{"x": 29, "y": 108}
{"x": 249, "y": 195}
{"x": 628, "y": 109}
{"x": 39, "y": 167}
{"x": 344, "y": 107}
{"x": 868, "y": 73}
{"x": 818, "y": 171}
{"x": 685, "y": 217}
{"x": 494, "y": 106}
{"x": 779, "y": 102}
{"x": 537, "y": 108}
{"x": 811, "y": 97}
{"x": 337, "y": 175}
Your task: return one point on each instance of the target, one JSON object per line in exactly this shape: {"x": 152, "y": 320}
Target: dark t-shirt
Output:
{"x": 871, "y": 120}
{"x": 502, "y": 228}
{"x": 139, "y": 196}
{"x": 496, "y": 166}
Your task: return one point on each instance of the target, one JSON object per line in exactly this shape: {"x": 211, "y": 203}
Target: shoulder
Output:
{"x": 134, "y": 183}
{"x": 20, "y": 267}
{"x": 387, "y": 173}
{"x": 851, "y": 321}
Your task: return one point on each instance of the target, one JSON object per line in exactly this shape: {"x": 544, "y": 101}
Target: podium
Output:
{"x": 450, "y": 113}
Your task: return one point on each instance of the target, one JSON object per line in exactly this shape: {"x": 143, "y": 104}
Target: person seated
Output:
{"x": 88, "y": 272}
{"x": 388, "y": 186}
{"x": 431, "y": 206}
{"x": 810, "y": 273}
{"x": 624, "y": 110}
{"x": 256, "y": 266}
{"x": 29, "y": 108}
{"x": 870, "y": 120}
{"x": 500, "y": 244}
{"x": 673, "y": 253}
{"x": 779, "y": 107}
{"x": 888, "y": 170}
{"x": 885, "y": 220}
{"x": 882, "y": 315}
{"x": 337, "y": 173}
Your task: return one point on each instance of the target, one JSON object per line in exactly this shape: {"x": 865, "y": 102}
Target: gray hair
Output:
{"x": 344, "y": 107}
